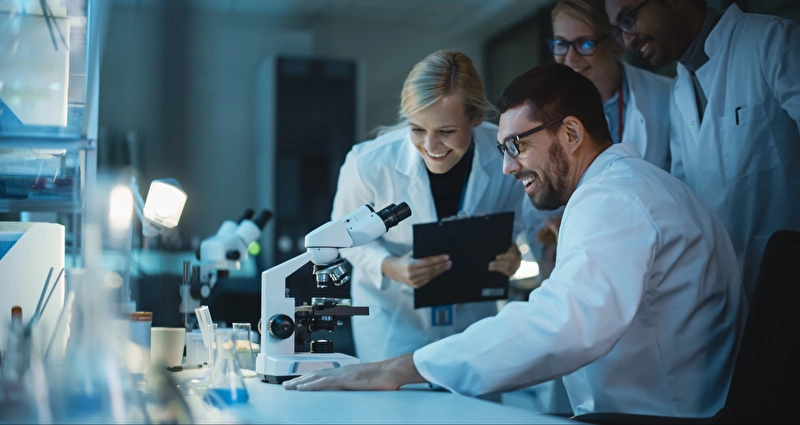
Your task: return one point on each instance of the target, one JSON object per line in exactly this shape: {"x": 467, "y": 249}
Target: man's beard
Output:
{"x": 555, "y": 187}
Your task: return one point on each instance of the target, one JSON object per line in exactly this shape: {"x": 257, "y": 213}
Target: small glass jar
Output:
{"x": 139, "y": 324}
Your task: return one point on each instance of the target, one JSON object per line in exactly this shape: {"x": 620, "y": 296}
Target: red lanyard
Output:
{"x": 620, "y": 111}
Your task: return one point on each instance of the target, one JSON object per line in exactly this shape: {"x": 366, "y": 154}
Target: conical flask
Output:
{"x": 226, "y": 383}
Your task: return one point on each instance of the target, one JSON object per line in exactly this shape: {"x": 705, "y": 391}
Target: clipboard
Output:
{"x": 472, "y": 243}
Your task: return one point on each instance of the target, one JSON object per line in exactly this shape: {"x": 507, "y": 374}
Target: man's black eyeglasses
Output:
{"x": 628, "y": 23}
{"x": 510, "y": 145}
{"x": 585, "y": 47}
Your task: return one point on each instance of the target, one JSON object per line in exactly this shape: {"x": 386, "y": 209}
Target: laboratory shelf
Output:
{"x": 66, "y": 143}
{"x": 39, "y": 205}
{"x": 49, "y": 110}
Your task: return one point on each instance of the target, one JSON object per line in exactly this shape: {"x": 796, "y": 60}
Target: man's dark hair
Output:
{"x": 555, "y": 90}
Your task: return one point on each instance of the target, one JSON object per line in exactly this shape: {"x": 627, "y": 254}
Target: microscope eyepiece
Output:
{"x": 248, "y": 214}
{"x": 394, "y": 214}
{"x": 263, "y": 218}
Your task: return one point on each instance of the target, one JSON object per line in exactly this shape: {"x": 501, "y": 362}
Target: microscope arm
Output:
{"x": 275, "y": 303}
{"x": 273, "y": 282}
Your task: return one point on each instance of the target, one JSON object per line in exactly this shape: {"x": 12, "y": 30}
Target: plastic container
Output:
{"x": 196, "y": 351}
{"x": 167, "y": 346}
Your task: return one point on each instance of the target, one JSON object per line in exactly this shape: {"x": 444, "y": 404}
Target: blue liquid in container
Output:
{"x": 227, "y": 395}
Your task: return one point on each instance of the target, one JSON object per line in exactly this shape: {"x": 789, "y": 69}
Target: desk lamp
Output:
{"x": 161, "y": 211}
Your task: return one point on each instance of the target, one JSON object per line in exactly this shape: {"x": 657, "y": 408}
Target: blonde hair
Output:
{"x": 444, "y": 73}
{"x": 590, "y": 12}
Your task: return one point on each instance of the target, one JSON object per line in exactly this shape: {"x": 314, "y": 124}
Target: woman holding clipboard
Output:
{"x": 442, "y": 160}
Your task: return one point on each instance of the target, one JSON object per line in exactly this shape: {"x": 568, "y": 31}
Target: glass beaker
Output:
{"x": 226, "y": 382}
{"x": 244, "y": 349}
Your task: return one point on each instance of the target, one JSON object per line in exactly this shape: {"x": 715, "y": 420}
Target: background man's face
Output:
{"x": 656, "y": 31}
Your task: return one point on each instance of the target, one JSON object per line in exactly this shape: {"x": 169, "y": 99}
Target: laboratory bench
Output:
{"x": 272, "y": 404}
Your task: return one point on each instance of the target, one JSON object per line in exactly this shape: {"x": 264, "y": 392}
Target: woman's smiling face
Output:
{"x": 442, "y": 134}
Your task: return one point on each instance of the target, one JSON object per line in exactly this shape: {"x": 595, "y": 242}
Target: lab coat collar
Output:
{"x": 706, "y": 74}
{"x": 485, "y": 159}
{"x": 411, "y": 164}
{"x": 634, "y": 110}
{"x": 720, "y": 34}
{"x": 611, "y": 154}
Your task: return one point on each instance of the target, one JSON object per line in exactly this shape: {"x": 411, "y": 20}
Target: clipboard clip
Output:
{"x": 461, "y": 215}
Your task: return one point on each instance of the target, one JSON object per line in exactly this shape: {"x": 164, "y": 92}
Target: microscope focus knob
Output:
{"x": 280, "y": 326}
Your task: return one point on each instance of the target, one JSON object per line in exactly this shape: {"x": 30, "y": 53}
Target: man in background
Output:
{"x": 734, "y": 111}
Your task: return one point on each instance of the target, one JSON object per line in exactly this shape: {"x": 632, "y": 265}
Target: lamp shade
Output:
{"x": 164, "y": 204}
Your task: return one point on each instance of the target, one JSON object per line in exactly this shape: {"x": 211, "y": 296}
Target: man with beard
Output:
{"x": 734, "y": 111}
{"x": 643, "y": 311}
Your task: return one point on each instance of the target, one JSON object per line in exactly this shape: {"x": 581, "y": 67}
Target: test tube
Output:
{"x": 212, "y": 332}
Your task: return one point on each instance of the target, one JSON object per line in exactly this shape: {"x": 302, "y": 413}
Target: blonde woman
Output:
{"x": 442, "y": 161}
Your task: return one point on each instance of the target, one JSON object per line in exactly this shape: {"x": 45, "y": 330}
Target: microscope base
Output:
{"x": 276, "y": 368}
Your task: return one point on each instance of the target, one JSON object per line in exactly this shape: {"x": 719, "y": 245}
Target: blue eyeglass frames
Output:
{"x": 511, "y": 146}
{"x": 584, "y": 47}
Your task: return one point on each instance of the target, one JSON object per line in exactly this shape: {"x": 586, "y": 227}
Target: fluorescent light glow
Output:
{"x": 165, "y": 202}
{"x": 527, "y": 269}
{"x": 120, "y": 211}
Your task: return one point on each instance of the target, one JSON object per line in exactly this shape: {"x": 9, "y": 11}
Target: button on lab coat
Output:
{"x": 743, "y": 160}
{"x": 390, "y": 170}
{"x": 641, "y": 313}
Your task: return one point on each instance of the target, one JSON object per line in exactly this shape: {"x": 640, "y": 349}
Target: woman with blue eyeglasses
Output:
{"x": 635, "y": 101}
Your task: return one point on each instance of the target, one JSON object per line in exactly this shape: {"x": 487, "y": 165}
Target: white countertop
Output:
{"x": 271, "y": 403}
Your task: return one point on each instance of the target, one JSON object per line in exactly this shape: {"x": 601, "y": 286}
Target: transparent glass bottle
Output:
{"x": 226, "y": 383}
{"x": 93, "y": 385}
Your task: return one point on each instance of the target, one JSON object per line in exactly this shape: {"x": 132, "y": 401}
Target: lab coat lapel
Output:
{"x": 478, "y": 180}
{"x": 685, "y": 100}
{"x": 420, "y": 199}
{"x": 711, "y": 73}
{"x": 635, "y": 129}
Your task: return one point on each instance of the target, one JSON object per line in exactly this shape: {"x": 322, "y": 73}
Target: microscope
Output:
{"x": 282, "y": 323}
{"x": 218, "y": 255}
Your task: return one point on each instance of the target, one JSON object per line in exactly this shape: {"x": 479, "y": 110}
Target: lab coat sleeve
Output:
{"x": 675, "y": 137}
{"x": 352, "y": 193}
{"x": 606, "y": 248}
{"x": 780, "y": 64}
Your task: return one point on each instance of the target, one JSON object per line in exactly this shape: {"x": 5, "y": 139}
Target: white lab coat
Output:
{"x": 642, "y": 313}
{"x": 646, "y": 125}
{"x": 390, "y": 170}
{"x": 743, "y": 160}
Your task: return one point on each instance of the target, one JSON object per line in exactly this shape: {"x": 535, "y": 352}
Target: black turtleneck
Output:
{"x": 447, "y": 188}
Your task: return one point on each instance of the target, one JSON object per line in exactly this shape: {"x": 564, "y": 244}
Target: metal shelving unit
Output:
{"x": 48, "y": 109}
